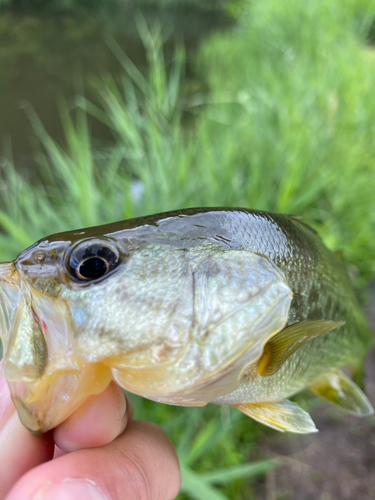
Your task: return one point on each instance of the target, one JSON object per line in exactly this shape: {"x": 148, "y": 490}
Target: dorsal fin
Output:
{"x": 298, "y": 219}
{"x": 338, "y": 389}
{"x": 285, "y": 343}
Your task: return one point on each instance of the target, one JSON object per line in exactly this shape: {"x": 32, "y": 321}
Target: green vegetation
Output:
{"x": 288, "y": 125}
{"x": 108, "y": 6}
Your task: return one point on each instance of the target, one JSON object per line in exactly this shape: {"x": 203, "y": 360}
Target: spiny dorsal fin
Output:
{"x": 285, "y": 343}
{"x": 298, "y": 219}
{"x": 283, "y": 416}
{"x": 338, "y": 389}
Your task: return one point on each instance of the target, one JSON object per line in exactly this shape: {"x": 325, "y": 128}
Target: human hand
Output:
{"x": 98, "y": 453}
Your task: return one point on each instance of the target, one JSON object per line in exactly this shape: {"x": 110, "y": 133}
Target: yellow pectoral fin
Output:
{"x": 344, "y": 393}
{"x": 285, "y": 343}
{"x": 283, "y": 416}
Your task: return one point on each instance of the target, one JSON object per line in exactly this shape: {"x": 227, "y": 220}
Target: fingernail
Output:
{"x": 71, "y": 489}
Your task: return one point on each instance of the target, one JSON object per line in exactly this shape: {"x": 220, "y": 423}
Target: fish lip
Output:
{"x": 10, "y": 274}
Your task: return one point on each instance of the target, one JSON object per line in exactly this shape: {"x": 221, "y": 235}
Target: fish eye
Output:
{"x": 92, "y": 259}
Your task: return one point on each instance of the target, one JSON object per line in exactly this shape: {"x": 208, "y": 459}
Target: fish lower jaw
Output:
{"x": 44, "y": 404}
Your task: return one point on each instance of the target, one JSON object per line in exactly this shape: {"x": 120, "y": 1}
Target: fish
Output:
{"x": 229, "y": 306}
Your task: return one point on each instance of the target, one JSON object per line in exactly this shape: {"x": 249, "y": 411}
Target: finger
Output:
{"x": 97, "y": 422}
{"x": 58, "y": 452}
{"x": 141, "y": 464}
{"x": 6, "y": 406}
{"x": 20, "y": 451}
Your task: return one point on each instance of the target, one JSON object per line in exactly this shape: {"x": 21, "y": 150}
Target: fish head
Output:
{"x": 174, "y": 321}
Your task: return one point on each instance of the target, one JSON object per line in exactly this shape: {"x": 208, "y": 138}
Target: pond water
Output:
{"x": 45, "y": 53}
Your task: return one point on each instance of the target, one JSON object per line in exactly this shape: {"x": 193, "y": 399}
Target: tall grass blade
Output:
{"x": 249, "y": 470}
{"x": 198, "y": 489}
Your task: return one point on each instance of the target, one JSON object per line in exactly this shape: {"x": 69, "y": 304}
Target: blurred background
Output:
{"x": 111, "y": 109}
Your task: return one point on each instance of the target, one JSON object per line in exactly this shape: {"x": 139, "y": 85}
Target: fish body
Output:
{"x": 231, "y": 306}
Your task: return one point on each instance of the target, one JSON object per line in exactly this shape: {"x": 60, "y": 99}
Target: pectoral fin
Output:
{"x": 344, "y": 393}
{"x": 285, "y": 343}
{"x": 283, "y": 416}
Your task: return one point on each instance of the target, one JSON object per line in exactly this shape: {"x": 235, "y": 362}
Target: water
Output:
{"x": 45, "y": 54}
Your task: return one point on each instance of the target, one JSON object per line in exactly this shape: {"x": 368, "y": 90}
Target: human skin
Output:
{"x": 100, "y": 452}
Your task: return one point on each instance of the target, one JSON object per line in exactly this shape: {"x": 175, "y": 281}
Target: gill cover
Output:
{"x": 239, "y": 299}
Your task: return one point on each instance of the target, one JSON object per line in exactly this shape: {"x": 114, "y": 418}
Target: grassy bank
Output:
{"x": 288, "y": 125}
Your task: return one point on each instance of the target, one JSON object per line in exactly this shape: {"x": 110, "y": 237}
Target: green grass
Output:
{"x": 298, "y": 135}
{"x": 288, "y": 125}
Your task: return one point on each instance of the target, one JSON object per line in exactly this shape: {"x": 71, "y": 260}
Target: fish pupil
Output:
{"x": 93, "y": 268}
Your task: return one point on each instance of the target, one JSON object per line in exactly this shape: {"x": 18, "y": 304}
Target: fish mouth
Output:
{"x": 51, "y": 400}
{"x": 9, "y": 274}
{"x": 47, "y": 381}
{"x": 10, "y": 295}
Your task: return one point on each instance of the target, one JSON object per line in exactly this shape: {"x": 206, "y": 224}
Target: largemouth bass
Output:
{"x": 230, "y": 306}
